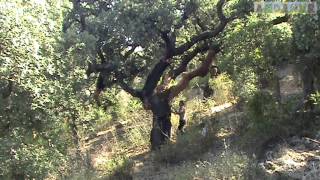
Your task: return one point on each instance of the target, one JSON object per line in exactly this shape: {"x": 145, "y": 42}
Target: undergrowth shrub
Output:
{"x": 223, "y": 88}
{"x": 245, "y": 83}
{"x": 228, "y": 165}
{"x": 265, "y": 114}
{"x": 189, "y": 145}
{"x": 315, "y": 98}
{"x": 119, "y": 168}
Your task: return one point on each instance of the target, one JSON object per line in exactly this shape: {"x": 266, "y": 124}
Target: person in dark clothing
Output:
{"x": 182, "y": 116}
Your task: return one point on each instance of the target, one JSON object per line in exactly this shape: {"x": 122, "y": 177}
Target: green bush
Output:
{"x": 189, "y": 145}
{"x": 119, "y": 168}
{"x": 246, "y": 84}
{"x": 315, "y": 98}
{"x": 263, "y": 112}
{"x": 227, "y": 165}
{"x": 223, "y": 88}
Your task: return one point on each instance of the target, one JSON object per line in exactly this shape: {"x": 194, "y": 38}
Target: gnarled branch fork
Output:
{"x": 201, "y": 71}
{"x": 158, "y": 70}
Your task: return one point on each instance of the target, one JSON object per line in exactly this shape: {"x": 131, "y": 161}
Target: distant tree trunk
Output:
{"x": 308, "y": 81}
{"x": 278, "y": 89}
{"x": 75, "y": 136}
{"x": 308, "y": 86}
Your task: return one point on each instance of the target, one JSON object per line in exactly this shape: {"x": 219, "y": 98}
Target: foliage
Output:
{"x": 315, "y": 98}
{"x": 254, "y": 49}
{"x": 193, "y": 138}
{"x": 264, "y": 112}
{"x": 119, "y": 168}
{"x": 30, "y": 127}
{"x": 223, "y": 88}
{"x": 228, "y": 165}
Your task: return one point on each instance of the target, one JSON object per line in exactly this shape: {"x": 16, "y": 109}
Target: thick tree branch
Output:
{"x": 8, "y": 90}
{"x": 99, "y": 51}
{"x": 220, "y": 13}
{"x": 280, "y": 19}
{"x": 154, "y": 76}
{"x": 130, "y": 90}
{"x": 202, "y": 70}
{"x": 202, "y": 36}
{"x": 156, "y": 73}
{"x": 79, "y": 10}
{"x": 186, "y": 59}
{"x": 99, "y": 68}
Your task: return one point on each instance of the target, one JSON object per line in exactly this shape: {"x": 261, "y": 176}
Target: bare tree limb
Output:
{"x": 128, "y": 53}
{"x": 220, "y": 13}
{"x": 202, "y": 36}
{"x": 186, "y": 59}
{"x": 280, "y": 19}
{"x": 8, "y": 90}
{"x": 130, "y": 90}
{"x": 79, "y": 10}
{"x": 202, "y": 70}
{"x": 154, "y": 76}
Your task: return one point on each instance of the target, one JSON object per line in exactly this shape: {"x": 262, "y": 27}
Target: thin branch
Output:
{"x": 184, "y": 17}
{"x": 220, "y": 13}
{"x": 200, "y": 24}
{"x": 99, "y": 52}
{"x": 206, "y": 34}
{"x": 169, "y": 41}
{"x": 79, "y": 10}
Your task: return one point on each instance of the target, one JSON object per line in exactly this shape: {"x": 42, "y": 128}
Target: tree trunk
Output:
{"x": 277, "y": 88}
{"x": 161, "y": 126}
{"x": 160, "y": 132}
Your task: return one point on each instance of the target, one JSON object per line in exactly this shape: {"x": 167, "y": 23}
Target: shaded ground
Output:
{"x": 295, "y": 158}
{"x": 291, "y": 158}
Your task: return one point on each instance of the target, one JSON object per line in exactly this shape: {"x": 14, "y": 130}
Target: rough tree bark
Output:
{"x": 161, "y": 107}
{"x": 161, "y": 125}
